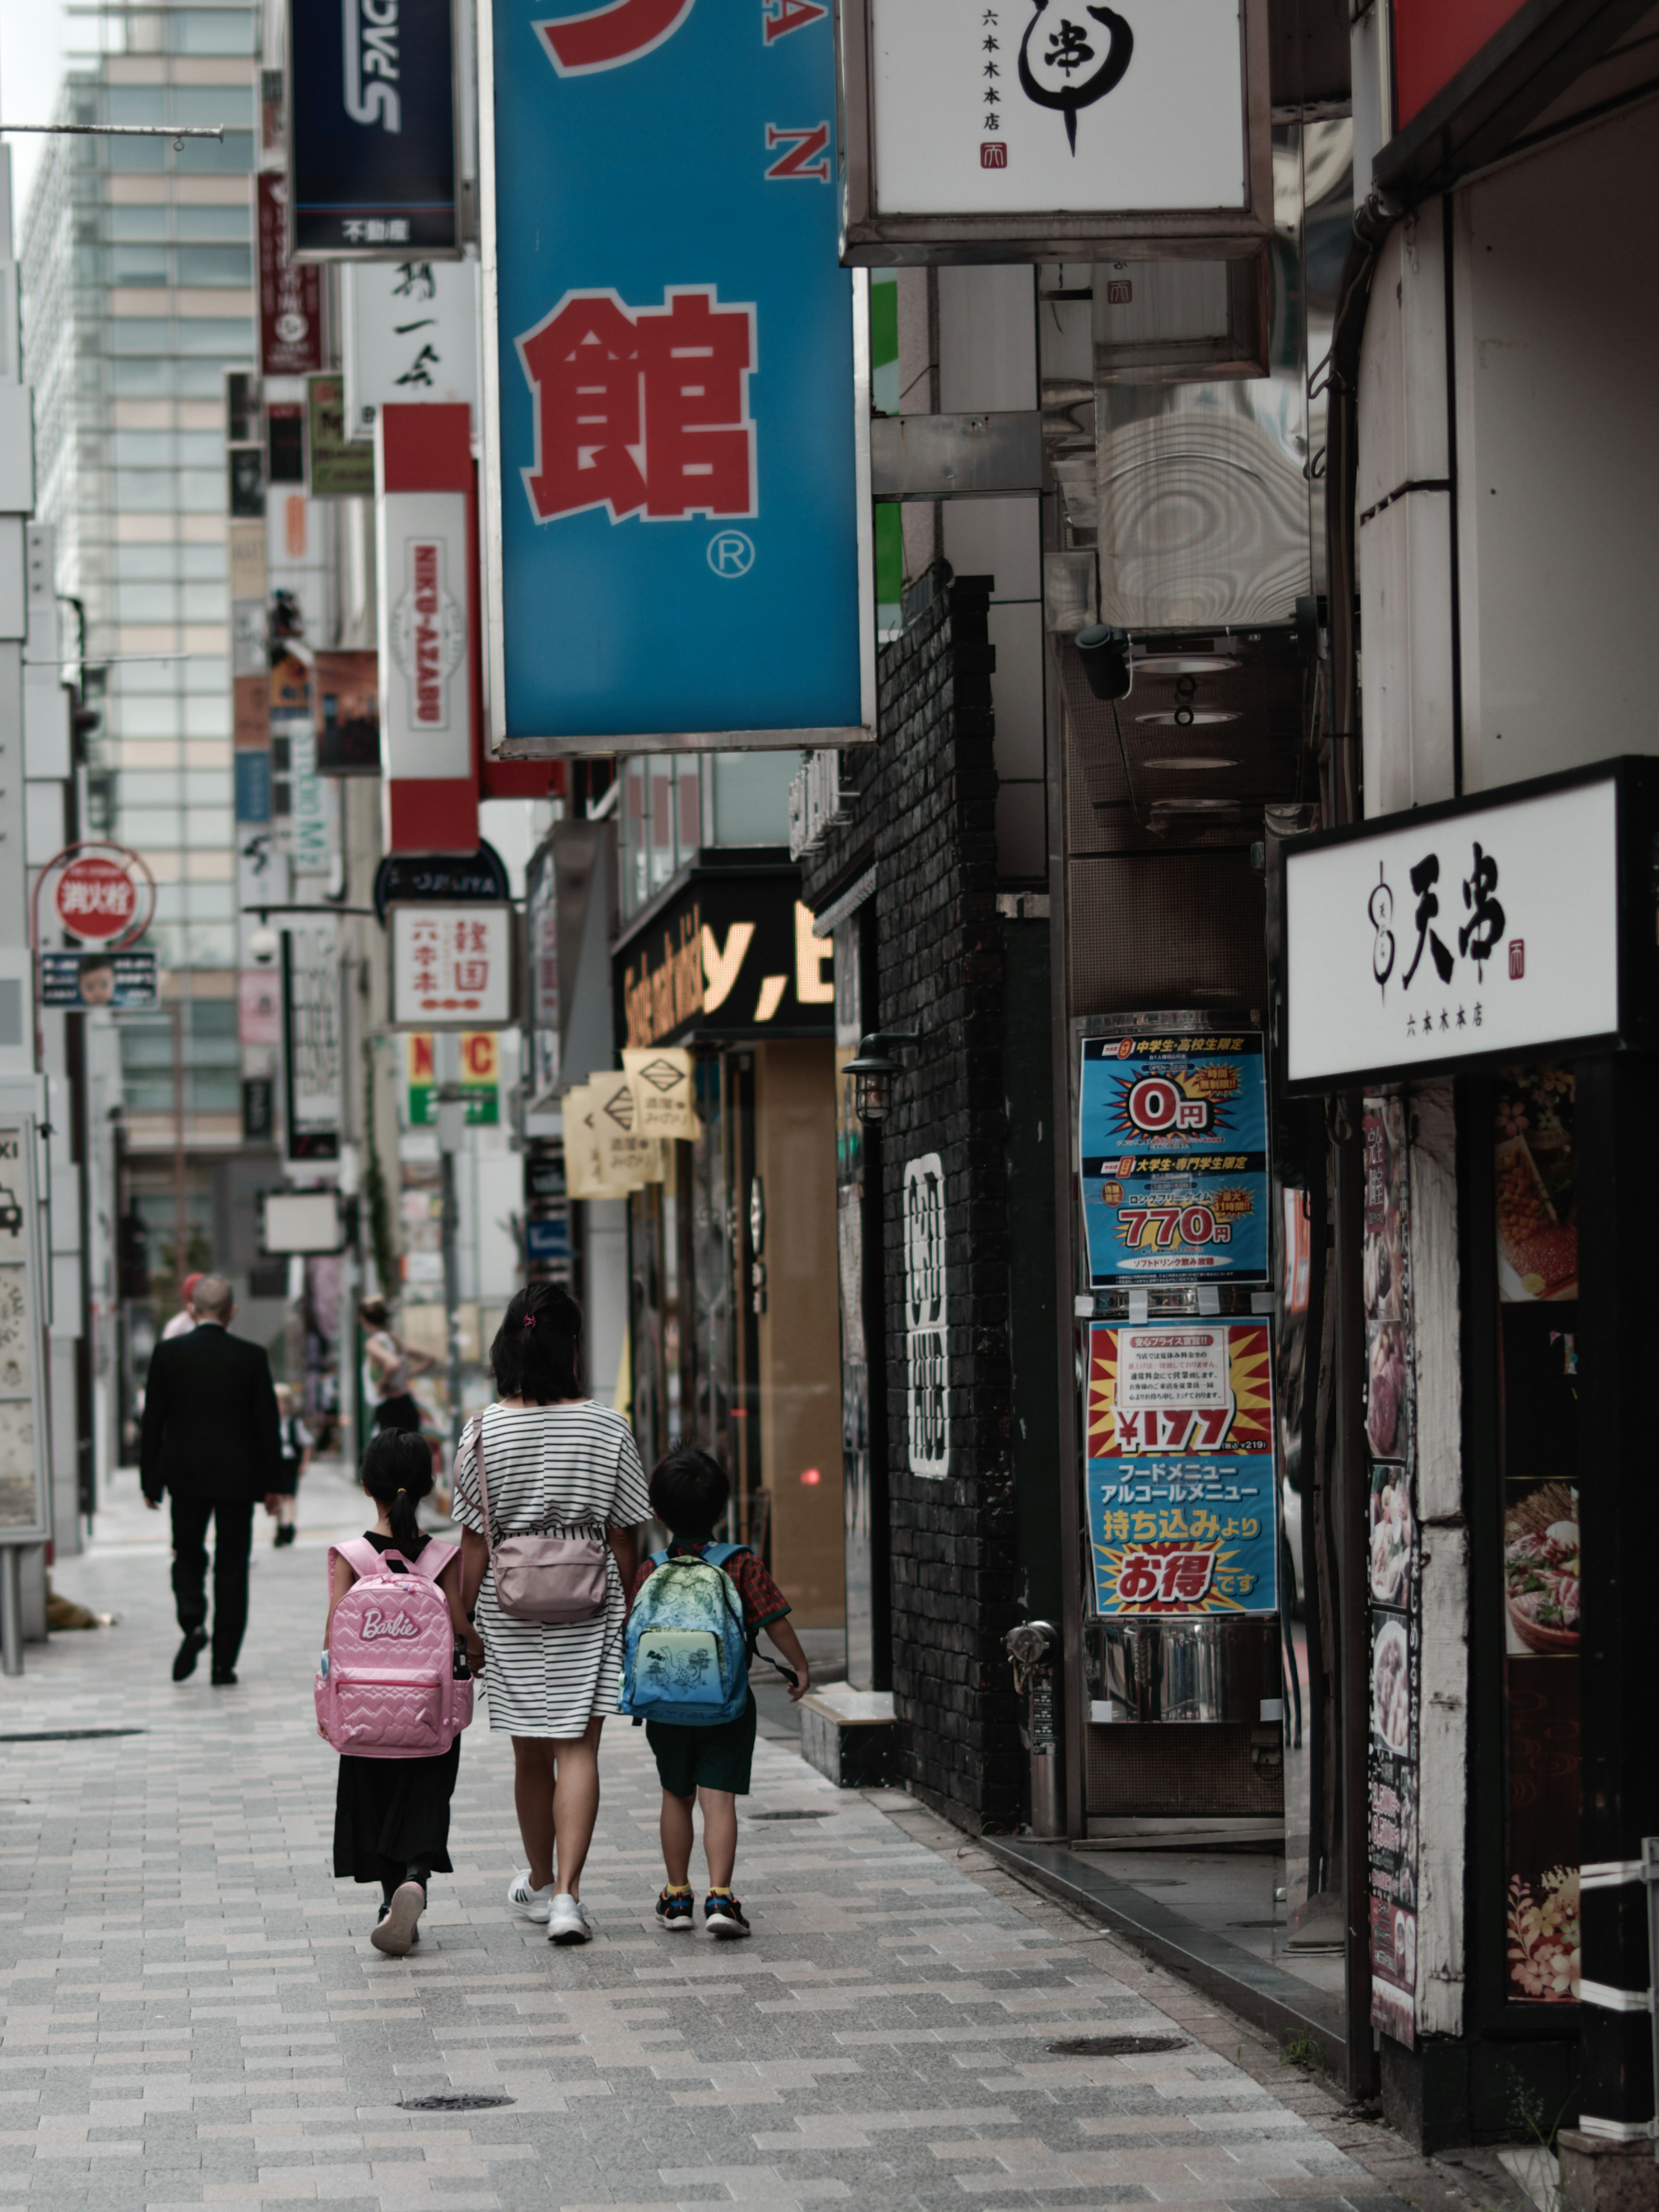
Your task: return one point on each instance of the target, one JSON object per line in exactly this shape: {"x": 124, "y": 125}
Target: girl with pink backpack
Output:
{"x": 394, "y": 1691}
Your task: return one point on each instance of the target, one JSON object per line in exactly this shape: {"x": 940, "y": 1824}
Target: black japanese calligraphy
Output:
{"x": 1066, "y": 63}
{"x": 1424, "y": 877}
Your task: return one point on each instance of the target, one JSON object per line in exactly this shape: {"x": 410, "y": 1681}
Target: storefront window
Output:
{"x": 1534, "y": 1167}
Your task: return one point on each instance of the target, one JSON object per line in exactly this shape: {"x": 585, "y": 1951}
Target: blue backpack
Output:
{"x": 685, "y": 1656}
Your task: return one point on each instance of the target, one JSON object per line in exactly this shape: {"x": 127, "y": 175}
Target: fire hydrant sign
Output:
{"x": 103, "y": 895}
{"x": 452, "y": 967}
{"x": 1182, "y": 1487}
{"x": 672, "y": 435}
{"x": 1172, "y": 1145}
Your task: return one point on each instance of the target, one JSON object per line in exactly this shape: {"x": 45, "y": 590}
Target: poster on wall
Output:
{"x": 1172, "y": 1148}
{"x": 926, "y": 1338}
{"x": 1394, "y": 1571}
{"x": 1181, "y": 1480}
{"x": 1535, "y": 1196}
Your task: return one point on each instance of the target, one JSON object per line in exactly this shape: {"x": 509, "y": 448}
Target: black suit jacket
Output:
{"x": 210, "y": 1429}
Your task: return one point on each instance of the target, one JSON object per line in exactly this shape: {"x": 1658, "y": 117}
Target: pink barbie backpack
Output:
{"x": 387, "y": 1687}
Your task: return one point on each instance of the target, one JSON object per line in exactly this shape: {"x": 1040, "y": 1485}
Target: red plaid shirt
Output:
{"x": 763, "y": 1602}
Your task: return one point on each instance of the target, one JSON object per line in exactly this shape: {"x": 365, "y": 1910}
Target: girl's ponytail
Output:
{"x": 397, "y": 1473}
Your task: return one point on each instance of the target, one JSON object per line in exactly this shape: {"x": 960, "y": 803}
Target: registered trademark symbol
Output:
{"x": 730, "y": 554}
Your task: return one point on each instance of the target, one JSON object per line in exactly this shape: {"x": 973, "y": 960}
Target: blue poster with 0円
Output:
{"x": 1180, "y": 1470}
{"x": 1172, "y": 1144}
{"x": 675, "y": 481}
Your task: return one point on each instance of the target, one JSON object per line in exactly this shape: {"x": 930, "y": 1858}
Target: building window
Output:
{"x": 211, "y": 30}
{"x": 216, "y": 264}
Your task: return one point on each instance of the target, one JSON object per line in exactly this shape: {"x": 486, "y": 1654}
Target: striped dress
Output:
{"x": 554, "y": 1469}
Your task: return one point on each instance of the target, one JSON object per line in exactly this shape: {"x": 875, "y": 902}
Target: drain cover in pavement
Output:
{"x": 456, "y": 2101}
{"x": 1114, "y": 2046}
{"x": 796, "y": 1813}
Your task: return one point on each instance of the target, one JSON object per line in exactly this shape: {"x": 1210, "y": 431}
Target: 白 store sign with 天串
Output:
{"x": 676, "y": 415}
{"x": 1481, "y": 931}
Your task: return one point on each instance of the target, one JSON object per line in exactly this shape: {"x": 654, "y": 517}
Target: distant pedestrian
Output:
{"x": 185, "y": 1320}
{"x": 391, "y": 1364}
{"x": 550, "y": 1461}
{"x": 209, "y": 1438}
{"x": 392, "y": 1810}
{"x": 718, "y": 1597}
{"x": 283, "y": 1503}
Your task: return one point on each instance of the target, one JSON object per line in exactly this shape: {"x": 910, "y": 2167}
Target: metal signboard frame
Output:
{"x": 21, "y": 1232}
{"x": 402, "y": 249}
{"x": 873, "y": 235}
{"x": 1633, "y": 781}
{"x": 512, "y": 743}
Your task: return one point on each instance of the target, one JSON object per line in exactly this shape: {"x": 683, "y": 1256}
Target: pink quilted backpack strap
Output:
{"x": 359, "y": 1554}
{"x": 433, "y": 1558}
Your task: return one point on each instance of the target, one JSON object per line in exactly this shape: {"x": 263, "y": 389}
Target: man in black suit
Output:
{"x": 210, "y": 1437}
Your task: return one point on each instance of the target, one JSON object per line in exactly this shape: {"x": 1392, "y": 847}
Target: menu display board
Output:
{"x": 1534, "y": 1163}
{"x": 1181, "y": 1472}
{"x": 1394, "y": 1576}
{"x": 1172, "y": 1147}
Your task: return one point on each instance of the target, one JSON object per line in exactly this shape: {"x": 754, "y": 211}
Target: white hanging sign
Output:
{"x": 1467, "y": 932}
{"x": 925, "y": 1341}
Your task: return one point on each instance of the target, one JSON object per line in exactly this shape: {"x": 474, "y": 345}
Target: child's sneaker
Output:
{"x": 677, "y": 1911}
{"x": 722, "y": 1915}
{"x": 396, "y": 1931}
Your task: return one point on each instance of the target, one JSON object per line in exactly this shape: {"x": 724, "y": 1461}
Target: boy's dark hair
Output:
{"x": 397, "y": 1473}
{"x": 537, "y": 1353}
{"x": 690, "y": 1491}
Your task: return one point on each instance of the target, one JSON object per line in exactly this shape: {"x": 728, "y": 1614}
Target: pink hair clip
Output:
{"x": 529, "y": 1321}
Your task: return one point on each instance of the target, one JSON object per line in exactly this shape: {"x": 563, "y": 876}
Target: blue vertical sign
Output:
{"x": 371, "y": 106}
{"x": 676, "y": 466}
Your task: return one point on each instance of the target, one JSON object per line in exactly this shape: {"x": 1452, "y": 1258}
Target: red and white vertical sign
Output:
{"x": 426, "y": 511}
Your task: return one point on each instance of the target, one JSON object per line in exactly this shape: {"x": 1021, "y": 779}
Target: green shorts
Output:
{"x": 689, "y": 1759}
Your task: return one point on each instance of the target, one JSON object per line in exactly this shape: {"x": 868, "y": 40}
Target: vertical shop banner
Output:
{"x": 346, "y": 687}
{"x": 452, "y": 967}
{"x": 371, "y": 121}
{"x": 1395, "y": 1571}
{"x": 311, "y": 1027}
{"x": 927, "y": 1341}
{"x": 1535, "y": 1173}
{"x": 412, "y": 333}
{"x": 426, "y": 519}
{"x": 338, "y": 468}
{"x": 1182, "y": 1482}
{"x": 290, "y": 297}
{"x": 676, "y": 423}
{"x": 1172, "y": 1147}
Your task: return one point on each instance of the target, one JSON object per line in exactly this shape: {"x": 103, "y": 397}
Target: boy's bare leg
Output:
{"x": 678, "y": 1836}
{"x": 719, "y": 1835}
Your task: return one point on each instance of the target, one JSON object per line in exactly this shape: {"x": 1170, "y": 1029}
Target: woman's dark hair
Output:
{"x": 397, "y": 1473}
{"x": 374, "y": 1312}
{"x": 690, "y": 1491}
{"x": 537, "y": 1353}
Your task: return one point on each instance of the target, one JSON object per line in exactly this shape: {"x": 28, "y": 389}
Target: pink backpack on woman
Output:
{"x": 387, "y": 1687}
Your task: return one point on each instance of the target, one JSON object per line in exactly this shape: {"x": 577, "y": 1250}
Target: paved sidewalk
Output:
{"x": 194, "y": 2016}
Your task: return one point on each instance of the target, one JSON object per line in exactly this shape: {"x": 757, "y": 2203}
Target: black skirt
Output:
{"x": 389, "y": 1811}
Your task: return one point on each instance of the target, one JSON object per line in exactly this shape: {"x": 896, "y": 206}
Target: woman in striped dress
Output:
{"x": 555, "y": 1462}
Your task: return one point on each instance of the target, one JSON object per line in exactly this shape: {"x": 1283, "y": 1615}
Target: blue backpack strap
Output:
{"x": 658, "y": 1559}
{"x": 718, "y": 1554}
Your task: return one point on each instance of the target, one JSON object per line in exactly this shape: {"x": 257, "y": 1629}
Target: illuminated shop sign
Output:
{"x": 733, "y": 957}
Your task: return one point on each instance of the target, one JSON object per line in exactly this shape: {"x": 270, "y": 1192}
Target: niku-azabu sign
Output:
{"x": 676, "y": 404}
{"x": 1031, "y": 129}
{"x": 1474, "y": 931}
{"x": 371, "y": 110}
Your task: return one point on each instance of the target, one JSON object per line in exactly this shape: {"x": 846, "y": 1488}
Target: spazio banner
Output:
{"x": 371, "y": 119}
{"x": 675, "y": 410}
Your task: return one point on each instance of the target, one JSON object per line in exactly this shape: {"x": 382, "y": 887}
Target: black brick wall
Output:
{"x": 925, "y": 814}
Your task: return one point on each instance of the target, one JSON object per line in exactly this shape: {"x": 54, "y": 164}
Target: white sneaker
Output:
{"x": 532, "y": 1904}
{"x": 568, "y": 1921}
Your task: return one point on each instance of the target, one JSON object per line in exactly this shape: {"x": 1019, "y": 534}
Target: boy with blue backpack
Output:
{"x": 696, "y": 1609}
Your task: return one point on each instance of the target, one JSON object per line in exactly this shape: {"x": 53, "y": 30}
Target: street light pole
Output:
{"x": 452, "y": 1122}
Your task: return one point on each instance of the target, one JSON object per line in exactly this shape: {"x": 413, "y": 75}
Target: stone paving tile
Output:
{"x": 192, "y": 2015}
